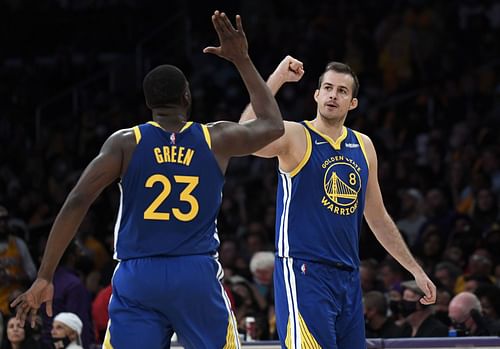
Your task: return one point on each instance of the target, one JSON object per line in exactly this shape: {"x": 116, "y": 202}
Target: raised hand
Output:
{"x": 289, "y": 70}
{"x": 233, "y": 42}
{"x": 28, "y": 303}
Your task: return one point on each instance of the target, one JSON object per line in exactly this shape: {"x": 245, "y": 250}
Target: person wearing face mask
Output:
{"x": 420, "y": 320}
{"x": 377, "y": 323}
{"x": 66, "y": 331}
{"x": 465, "y": 314}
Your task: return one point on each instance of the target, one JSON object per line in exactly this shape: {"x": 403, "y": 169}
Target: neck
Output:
{"x": 171, "y": 119}
{"x": 331, "y": 127}
{"x": 16, "y": 345}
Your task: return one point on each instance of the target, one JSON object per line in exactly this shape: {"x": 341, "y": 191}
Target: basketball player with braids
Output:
{"x": 171, "y": 177}
{"x": 327, "y": 182}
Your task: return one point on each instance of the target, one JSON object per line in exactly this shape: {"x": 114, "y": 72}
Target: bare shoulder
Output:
{"x": 125, "y": 136}
{"x": 293, "y": 126}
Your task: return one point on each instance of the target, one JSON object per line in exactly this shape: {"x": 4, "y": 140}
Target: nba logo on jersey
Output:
{"x": 303, "y": 268}
{"x": 172, "y": 138}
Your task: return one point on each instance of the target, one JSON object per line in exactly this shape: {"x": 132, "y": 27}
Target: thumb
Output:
{"x": 212, "y": 50}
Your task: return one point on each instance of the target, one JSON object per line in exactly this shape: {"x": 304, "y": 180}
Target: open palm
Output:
{"x": 233, "y": 42}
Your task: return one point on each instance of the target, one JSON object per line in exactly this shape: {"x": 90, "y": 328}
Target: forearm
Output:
{"x": 63, "y": 231}
{"x": 390, "y": 238}
{"x": 274, "y": 84}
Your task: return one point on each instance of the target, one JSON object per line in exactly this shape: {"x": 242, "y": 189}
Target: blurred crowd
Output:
{"x": 429, "y": 99}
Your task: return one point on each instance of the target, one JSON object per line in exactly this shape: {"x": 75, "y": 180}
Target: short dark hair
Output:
{"x": 164, "y": 85}
{"x": 376, "y": 299}
{"x": 341, "y": 68}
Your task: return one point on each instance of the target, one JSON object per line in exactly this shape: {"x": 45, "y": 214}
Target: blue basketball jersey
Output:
{"x": 320, "y": 203}
{"x": 170, "y": 194}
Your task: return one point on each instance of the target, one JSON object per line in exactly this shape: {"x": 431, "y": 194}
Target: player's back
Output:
{"x": 171, "y": 194}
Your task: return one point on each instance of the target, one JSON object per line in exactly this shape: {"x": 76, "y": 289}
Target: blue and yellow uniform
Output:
{"x": 319, "y": 214}
{"x": 168, "y": 277}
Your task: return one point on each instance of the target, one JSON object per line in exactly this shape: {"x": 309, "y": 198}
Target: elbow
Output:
{"x": 278, "y": 126}
{"x": 280, "y": 129}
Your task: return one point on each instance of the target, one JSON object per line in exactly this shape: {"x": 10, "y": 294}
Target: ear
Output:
{"x": 354, "y": 104}
{"x": 316, "y": 95}
{"x": 186, "y": 97}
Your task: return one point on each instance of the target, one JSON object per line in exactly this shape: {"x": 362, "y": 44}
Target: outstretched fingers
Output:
{"x": 218, "y": 25}
{"x": 48, "y": 308}
{"x": 226, "y": 23}
{"x": 239, "y": 24}
{"x": 22, "y": 311}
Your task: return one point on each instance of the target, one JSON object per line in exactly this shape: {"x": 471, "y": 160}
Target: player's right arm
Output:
{"x": 232, "y": 139}
{"x": 102, "y": 171}
{"x": 288, "y": 70}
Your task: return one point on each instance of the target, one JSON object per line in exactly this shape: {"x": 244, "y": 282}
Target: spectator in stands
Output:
{"x": 247, "y": 301}
{"x": 485, "y": 209}
{"x": 472, "y": 282}
{"x": 447, "y": 274}
{"x": 100, "y": 314}
{"x": 489, "y": 297}
{"x": 443, "y": 299}
{"x": 377, "y": 324}
{"x": 368, "y": 276}
{"x": 391, "y": 273}
{"x": 412, "y": 218}
{"x": 70, "y": 295}
{"x": 18, "y": 336}
{"x": 420, "y": 321}
{"x": 431, "y": 248}
{"x": 16, "y": 265}
{"x": 479, "y": 267}
{"x": 66, "y": 331}
{"x": 465, "y": 314}
{"x": 262, "y": 267}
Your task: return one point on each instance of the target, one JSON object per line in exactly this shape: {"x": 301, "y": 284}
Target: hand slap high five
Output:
{"x": 233, "y": 42}
{"x": 28, "y": 303}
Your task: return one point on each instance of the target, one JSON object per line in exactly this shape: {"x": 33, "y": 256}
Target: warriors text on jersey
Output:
{"x": 320, "y": 204}
{"x": 171, "y": 194}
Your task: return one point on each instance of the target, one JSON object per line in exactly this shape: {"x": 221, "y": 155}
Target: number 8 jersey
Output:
{"x": 170, "y": 194}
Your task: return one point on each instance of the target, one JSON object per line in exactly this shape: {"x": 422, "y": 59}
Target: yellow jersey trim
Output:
{"x": 307, "y": 339}
{"x": 206, "y": 133}
{"x": 362, "y": 145}
{"x": 231, "y": 339}
{"x": 154, "y": 123}
{"x": 307, "y": 155}
{"x": 137, "y": 133}
{"x": 185, "y": 127}
{"x": 335, "y": 144}
{"x": 107, "y": 338}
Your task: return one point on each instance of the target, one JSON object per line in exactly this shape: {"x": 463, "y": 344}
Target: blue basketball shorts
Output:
{"x": 154, "y": 297}
{"x": 318, "y": 306}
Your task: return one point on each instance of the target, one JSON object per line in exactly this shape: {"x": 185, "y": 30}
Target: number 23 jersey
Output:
{"x": 170, "y": 194}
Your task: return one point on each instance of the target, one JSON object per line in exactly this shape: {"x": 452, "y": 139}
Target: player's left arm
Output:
{"x": 385, "y": 229}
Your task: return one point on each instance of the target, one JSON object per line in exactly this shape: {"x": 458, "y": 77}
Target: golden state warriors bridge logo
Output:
{"x": 342, "y": 184}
